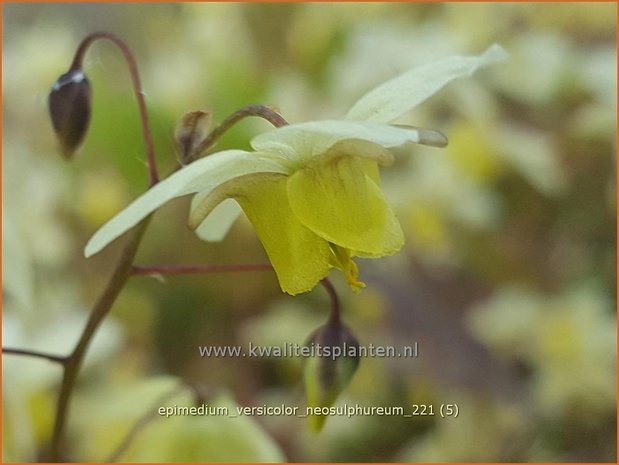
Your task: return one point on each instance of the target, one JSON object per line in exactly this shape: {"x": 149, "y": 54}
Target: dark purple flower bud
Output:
{"x": 69, "y": 108}
{"x": 331, "y": 367}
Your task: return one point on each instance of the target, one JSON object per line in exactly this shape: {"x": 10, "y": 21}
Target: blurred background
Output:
{"x": 507, "y": 280}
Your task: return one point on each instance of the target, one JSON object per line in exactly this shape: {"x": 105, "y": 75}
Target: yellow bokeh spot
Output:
{"x": 101, "y": 197}
{"x": 560, "y": 341}
{"x": 426, "y": 228}
{"x": 470, "y": 152}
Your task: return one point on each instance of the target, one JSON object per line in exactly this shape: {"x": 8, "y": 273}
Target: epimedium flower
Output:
{"x": 311, "y": 190}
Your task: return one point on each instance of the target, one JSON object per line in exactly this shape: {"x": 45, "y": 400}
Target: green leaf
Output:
{"x": 394, "y": 98}
{"x": 202, "y": 175}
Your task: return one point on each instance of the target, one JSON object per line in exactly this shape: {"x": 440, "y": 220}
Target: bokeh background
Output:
{"x": 507, "y": 280}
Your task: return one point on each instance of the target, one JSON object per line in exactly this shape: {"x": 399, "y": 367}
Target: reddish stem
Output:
{"x": 34, "y": 353}
{"x": 197, "y": 269}
{"x": 154, "y": 270}
{"x": 261, "y": 111}
{"x": 137, "y": 88}
{"x": 334, "y": 317}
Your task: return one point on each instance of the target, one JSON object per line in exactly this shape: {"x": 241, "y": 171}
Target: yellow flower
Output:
{"x": 318, "y": 216}
{"x": 311, "y": 190}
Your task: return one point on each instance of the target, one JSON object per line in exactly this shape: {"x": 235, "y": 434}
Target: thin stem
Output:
{"x": 73, "y": 363}
{"x": 154, "y": 270}
{"x": 251, "y": 110}
{"x": 34, "y": 353}
{"x": 124, "y": 268}
{"x": 335, "y": 314}
{"x": 137, "y": 88}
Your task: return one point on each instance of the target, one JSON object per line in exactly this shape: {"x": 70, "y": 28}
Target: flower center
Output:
{"x": 342, "y": 260}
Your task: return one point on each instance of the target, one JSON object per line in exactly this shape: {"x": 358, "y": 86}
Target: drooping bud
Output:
{"x": 69, "y": 109}
{"x": 191, "y": 130}
{"x": 334, "y": 360}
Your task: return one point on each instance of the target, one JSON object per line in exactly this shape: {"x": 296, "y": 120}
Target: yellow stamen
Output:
{"x": 341, "y": 259}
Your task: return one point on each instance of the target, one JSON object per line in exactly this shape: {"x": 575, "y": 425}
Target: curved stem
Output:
{"x": 261, "y": 111}
{"x": 73, "y": 363}
{"x": 137, "y": 88}
{"x": 125, "y": 268}
{"x": 34, "y": 353}
{"x": 154, "y": 270}
{"x": 335, "y": 315}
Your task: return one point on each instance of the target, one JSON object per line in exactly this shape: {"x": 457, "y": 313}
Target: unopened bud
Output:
{"x": 69, "y": 109}
{"x": 191, "y": 130}
{"x": 332, "y": 367}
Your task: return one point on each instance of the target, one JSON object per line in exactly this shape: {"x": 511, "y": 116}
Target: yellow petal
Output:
{"x": 300, "y": 257}
{"x": 335, "y": 198}
{"x": 393, "y": 239}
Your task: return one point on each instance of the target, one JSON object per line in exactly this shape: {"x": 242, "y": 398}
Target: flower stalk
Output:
{"x": 327, "y": 375}
{"x": 74, "y": 362}
{"x": 77, "y": 66}
{"x": 261, "y": 111}
{"x": 160, "y": 270}
{"x": 79, "y": 114}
